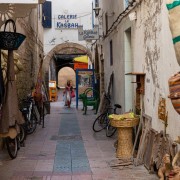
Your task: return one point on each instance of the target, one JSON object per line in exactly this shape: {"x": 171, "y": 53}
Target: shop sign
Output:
{"x": 79, "y": 65}
{"x": 89, "y": 34}
{"x": 66, "y": 21}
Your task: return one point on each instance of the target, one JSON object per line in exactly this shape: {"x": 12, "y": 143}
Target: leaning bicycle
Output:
{"x": 103, "y": 121}
{"x": 12, "y": 140}
{"x": 30, "y": 118}
{"x": 110, "y": 130}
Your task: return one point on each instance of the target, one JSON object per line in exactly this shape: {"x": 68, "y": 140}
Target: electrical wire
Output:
{"x": 120, "y": 18}
{"x": 48, "y": 18}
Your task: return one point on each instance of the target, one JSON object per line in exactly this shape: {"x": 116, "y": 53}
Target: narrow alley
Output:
{"x": 89, "y": 90}
{"x": 67, "y": 149}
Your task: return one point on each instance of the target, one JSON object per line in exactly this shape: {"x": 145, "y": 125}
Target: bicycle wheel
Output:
{"x": 22, "y": 134}
{"x": 31, "y": 125}
{"x": 110, "y": 130}
{"x": 100, "y": 123}
{"x": 12, "y": 146}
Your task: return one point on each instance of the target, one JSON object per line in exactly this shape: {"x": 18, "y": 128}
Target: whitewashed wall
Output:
{"x": 83, "y": 9}
{"x": 152, "y": 53}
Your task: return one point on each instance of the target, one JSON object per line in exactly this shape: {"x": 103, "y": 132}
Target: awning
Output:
{"x": 83, "y": 59}
{"x": 11, "y": 10}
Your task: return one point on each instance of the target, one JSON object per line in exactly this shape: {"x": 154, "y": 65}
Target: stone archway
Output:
{"x": 64, "y": 48}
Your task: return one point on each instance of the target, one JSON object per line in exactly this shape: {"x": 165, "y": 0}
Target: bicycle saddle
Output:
{"x": 117, "y": 105}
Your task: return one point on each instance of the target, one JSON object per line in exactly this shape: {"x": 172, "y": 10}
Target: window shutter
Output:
{"x": 47, "y": 15}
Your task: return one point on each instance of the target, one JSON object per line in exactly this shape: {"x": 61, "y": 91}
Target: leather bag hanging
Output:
{"x": 72, "y": 94}
{"x": 10, "y": 40}
{"x": 174, "y": 89}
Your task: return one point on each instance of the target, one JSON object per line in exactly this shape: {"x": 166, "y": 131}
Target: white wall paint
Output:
{"x": 128, "y": 66}
{"x": 152, "y": 53}
{"x": 83, "y": 9}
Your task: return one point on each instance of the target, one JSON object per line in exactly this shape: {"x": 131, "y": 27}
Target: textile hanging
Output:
{"x": 1, "y": 84}
{"x": 173, "y": 7}
{"x": 10, "y": 109}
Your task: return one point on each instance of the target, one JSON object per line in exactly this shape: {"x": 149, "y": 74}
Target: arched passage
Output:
{"x": 66, "y": 73}
{"x": 61, "y": 56}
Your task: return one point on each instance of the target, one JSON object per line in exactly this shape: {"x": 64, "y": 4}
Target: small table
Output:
{"x": 125, "y": 145}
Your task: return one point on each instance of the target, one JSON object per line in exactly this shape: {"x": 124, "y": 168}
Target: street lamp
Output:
{"x": 97, "y": 10}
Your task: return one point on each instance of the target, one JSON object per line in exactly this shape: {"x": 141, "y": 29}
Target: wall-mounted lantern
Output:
{"x": 97, "y": 10}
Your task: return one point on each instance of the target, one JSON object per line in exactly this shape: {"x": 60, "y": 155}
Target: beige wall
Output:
{"x": 31, "y": 52}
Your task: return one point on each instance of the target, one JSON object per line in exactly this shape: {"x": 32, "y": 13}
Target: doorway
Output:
{"x": 128, "y": 66}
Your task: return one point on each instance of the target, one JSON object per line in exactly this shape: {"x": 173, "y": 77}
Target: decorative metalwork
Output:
{"x": 6, "y": 12}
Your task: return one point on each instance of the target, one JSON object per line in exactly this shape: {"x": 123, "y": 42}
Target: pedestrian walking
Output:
{"x": 68, "y": 94}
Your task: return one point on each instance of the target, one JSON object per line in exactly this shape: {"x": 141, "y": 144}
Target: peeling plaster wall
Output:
{"x": 154, "y": 55}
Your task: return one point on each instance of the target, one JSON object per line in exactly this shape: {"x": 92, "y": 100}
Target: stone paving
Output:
{"x": 67, "y": 149}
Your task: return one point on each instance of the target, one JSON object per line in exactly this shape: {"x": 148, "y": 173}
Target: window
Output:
{"x": 111, "y": 53}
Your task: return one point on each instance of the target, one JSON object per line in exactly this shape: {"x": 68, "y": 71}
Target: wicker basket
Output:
{"x": 125, "y": 144}
{"x": 125, "y": 123}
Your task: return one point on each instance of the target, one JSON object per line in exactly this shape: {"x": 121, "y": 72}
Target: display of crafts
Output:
{"x": 121, "y": 117}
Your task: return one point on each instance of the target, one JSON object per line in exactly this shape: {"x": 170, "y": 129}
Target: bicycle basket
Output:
{"x": 10, "y": 40}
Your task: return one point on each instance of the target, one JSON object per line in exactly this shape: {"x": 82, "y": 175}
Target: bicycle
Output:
{"x": 12, "y": 146}
{"x": 110, "y": 130}
{"x": 29, "y": 115}
{"x": 103, "y": 121}
{"x": 12, "y": 140}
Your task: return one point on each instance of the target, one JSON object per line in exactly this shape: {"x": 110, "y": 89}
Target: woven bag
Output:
{"x": 10, "y": 40}
{"x": 174, "y": 88}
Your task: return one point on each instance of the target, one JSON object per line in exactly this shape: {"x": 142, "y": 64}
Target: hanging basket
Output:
{"x": 10, "y": 40}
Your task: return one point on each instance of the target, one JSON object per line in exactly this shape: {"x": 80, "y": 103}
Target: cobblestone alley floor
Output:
{"x": 67, "y": 149}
